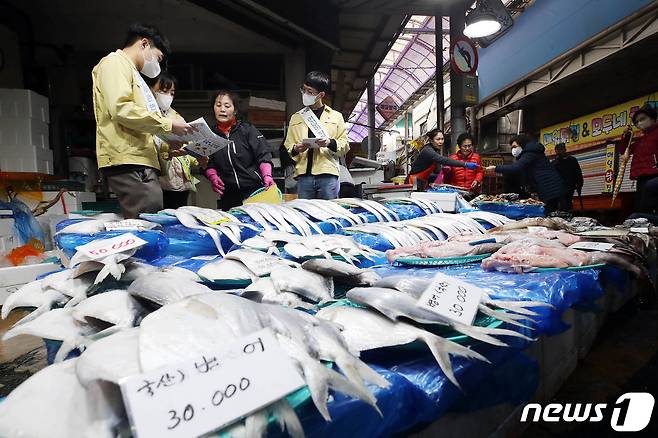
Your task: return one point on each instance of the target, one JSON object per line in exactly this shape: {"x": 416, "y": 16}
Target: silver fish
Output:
{"x": 32, "y": 295}
{"x": 226, "y": 269}
{"x": 263, "y": 291}
{"x": 395, "y": 304}
{"x": 257, "y": 262}
{"x": 116, "y": 307}
{"x": 91, "y": 226}
{"x": 162, "y": 288}
{"x": 28, "y": 411}
{"x": 365, "y": 329}
{"x": 343, "y": 272}
{"x": 304, "y": 283}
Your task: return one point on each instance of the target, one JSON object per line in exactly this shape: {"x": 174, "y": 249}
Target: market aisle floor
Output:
{"x": 20, "y": 357}
{"x": 624, "y": 358}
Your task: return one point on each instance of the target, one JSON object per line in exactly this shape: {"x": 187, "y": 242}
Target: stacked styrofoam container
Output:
{"x": 24, "y": 141}
{"x": 8, "y": 238}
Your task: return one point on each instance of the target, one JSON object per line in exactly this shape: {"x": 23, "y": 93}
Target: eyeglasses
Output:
{"x": 307, "y": 91}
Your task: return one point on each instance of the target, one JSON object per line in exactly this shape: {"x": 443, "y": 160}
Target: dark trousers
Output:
{"x": 646, "y": 197}
{"x": 234, "y": 197}
{"x": 175, "y": 199}
{"x": 138, "y": 191}
{"x": 566, "y": 201}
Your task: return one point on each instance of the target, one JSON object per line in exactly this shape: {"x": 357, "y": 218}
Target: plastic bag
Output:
{"x": 512, "y": 211}
{"x": 25, "y": 224}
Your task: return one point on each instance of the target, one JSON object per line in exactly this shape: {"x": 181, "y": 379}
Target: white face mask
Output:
{"x": 516, "y": 151}
{"x": 644, "y": 123}
{"x": 151, "y": 67}
{"x": 308, "y": 99}
{"x": 164, "y": 101}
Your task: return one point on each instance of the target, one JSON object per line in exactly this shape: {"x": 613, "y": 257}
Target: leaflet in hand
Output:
{"x": 201, "y": 142}
{"x": 312, "y": 143}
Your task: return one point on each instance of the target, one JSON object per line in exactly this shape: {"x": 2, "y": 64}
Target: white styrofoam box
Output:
{"x": 19, "y": 103}
{"x": 14, "y": 275}
{"x": 26, "y": 159}
{"x": 18, "y": 133}
{"x": 447, "y": 201}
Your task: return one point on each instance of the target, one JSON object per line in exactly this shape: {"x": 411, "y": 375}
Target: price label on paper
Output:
{"x": 209, "y": 392}
{"x": 211, "y": 217}
{"x": 452, "y": 298}
{"x": 592, "y": 246}
{"x": 127, "y": 224}
{"x": 103, "y": 248}
{"x": 643, "y": 230}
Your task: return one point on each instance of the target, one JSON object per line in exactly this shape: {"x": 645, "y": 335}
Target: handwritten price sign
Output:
{"x": 451, "y": 298}
{"x": 105, "y": 247}
{"x": 209, "y": 392}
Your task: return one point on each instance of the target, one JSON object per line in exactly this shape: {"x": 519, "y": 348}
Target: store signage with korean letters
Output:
{"x": 595, "y": 128}
{"x": 609, "y": 175}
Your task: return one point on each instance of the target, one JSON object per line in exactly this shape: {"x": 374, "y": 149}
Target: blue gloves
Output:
{"x": 471, "y": 166}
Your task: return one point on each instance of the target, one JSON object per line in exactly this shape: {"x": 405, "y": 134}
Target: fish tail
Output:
{"x": 256, "y": 424}
{"x": 442, "y": 349}
{"x": 479, "y": 333}
{"x": 318, "y": 385}
{"x": 287, "y": 418}
{"x": 503, "y": 332}
{"x": 505, "y": 317}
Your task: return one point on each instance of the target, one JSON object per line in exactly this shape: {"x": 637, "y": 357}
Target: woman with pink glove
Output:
{"x": 238, "y": 170}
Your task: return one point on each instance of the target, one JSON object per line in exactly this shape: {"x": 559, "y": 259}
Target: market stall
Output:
{"x": 345, "y": 307}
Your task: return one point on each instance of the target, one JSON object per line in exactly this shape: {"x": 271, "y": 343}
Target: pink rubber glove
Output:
{"x": 216, "y": 181}
{"x": 266, "y": 173}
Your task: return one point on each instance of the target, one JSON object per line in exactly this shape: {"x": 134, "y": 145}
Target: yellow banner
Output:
{"x": 595, "y": 128}
{"x": 609, "y": 181}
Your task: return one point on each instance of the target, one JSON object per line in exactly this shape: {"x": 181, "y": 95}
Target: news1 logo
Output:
{"x": 630, "y": 413}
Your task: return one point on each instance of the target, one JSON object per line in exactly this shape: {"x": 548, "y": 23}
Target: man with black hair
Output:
{"x": 464, "y": 177}
{"x": 316, "y": 169}
{"x": 127, "y": 118}
{"x": 572, "y": 175}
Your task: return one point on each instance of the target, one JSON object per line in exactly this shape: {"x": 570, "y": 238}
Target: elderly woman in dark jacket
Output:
{"x": 536, "y": 169}
{"x": 238, "y": 170}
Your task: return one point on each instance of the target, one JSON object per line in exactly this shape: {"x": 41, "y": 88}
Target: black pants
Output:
{"x": 551, "y": 206}
{"x": 566, "y": 201}
{"x": 234, "y": 197}
{"x": 175, "y": 199}
{"x": 646, "y": 197}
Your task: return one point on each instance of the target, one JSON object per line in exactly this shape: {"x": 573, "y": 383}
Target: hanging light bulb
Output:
{"x": 480, "y": 23}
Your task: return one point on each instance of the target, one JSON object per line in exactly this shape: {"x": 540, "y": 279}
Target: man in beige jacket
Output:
{"x": 316, "y": 168}
{"x": 127, "y": 118}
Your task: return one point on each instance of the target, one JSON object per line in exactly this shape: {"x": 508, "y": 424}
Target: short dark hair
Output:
{"x": 463, "y": 137}
{"x": 167, "y": 80}
{"x": 433, "y": 133}
{"x": 561, "y": 146}
{"x": 235, "y": 98}
{"x": 647, "y": 109}
{"x": 318, "y": 80}
{"x": 521, "y": 140}
{"x": 137, "y": 31}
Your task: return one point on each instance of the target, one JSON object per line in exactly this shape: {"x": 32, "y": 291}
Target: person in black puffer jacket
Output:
{"x": 537, "y": 171}
{"x": 238, "y": 170}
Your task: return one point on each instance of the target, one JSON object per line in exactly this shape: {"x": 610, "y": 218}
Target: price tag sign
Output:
{"x": 127, "y": 224}
{"x": 210, "y": 217}
{"x": 105, "y": 247}
{"x": 592, "y": 246}
{"x": 209, "y": 392}
{"x": 451, "y": 298}
{"x": 643, "y": 230}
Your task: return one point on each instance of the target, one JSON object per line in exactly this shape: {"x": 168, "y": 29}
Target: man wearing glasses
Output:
{"x": 316, "y": 138}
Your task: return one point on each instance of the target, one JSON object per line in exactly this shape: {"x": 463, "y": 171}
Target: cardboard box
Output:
{"x": 19, "y": 103}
